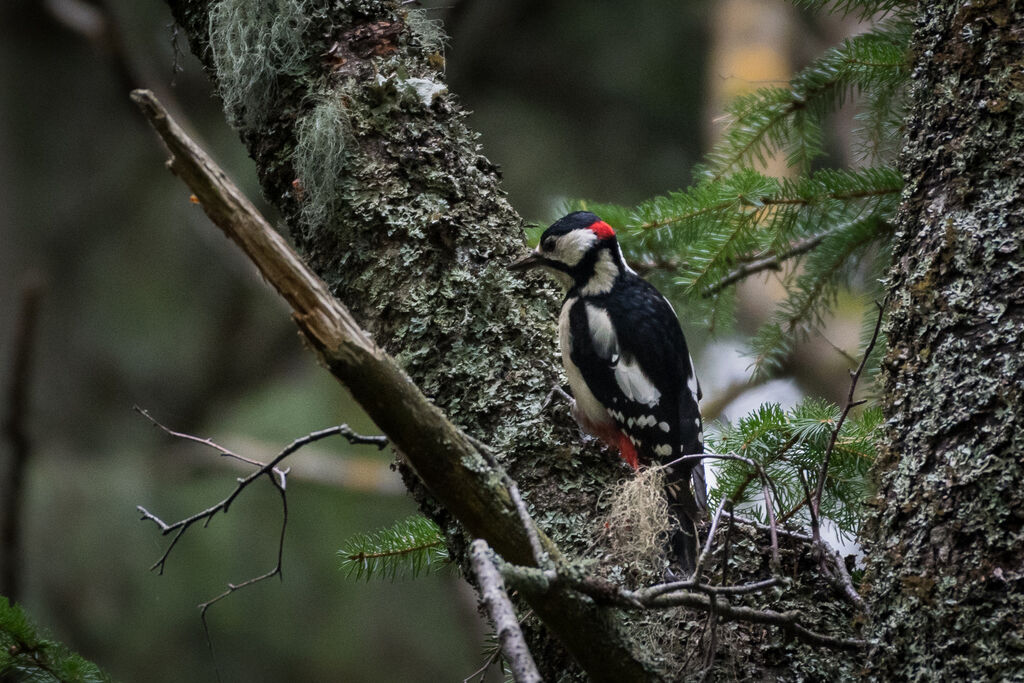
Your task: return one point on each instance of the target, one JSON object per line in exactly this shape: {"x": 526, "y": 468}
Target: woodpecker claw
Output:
{"x": 556, "y": 389}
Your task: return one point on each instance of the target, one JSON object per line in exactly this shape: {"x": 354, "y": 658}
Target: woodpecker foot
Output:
{"x": 558, "y": 390}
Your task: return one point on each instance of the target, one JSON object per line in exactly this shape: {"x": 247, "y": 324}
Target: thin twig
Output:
{"x": 773, "y": 262}
{"x": 503, "y": 615}
{"x": 269, "y": 469}
{"x": 773, "y": 526}
{"x": 815, "y": 524}
{"x": 541, "y": 558}
{"x": 482, "y": 671}
{"x": 850, "y": 404}
{"x": 276, "y": 571}
{"x": 206, "y": 442}
{"x": 712, "y": 629}
{"x": 711, "y": 536}
{"x": 727, "y": 546}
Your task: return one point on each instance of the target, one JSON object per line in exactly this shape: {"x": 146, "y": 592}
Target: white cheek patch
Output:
{"x": 605, "y": 272}
{"x": 570, "y": 247}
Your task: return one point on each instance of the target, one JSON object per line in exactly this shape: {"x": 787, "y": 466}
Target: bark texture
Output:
{"x": 947, "y": 562}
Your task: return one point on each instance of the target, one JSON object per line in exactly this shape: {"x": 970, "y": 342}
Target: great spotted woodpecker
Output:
{"x": 627, "y": 364}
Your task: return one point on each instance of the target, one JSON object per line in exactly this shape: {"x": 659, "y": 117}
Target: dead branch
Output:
{"x": 270, "y": 469}
{"x": 691, "y": 594}
{"x": 503, "y": 615}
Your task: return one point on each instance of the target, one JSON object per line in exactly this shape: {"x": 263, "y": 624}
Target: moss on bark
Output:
{"x": 948, "y": 549}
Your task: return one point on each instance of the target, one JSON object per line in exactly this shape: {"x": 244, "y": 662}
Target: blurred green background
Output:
{"x": 145, "y": 303}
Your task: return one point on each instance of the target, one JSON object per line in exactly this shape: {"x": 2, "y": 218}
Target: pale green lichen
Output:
{"x": 252, "y": 45}
{"x": 321, "y": 146}
{"x": 429, "y": 32}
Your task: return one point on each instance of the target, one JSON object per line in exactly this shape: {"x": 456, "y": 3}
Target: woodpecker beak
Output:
{"x": 533, "y": 260}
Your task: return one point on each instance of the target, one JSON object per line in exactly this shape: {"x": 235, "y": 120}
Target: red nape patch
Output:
{"x": 628, "y": 451}
{"x": 601, "y": 229}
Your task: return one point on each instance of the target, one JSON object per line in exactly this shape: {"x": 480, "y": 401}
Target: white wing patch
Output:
{"x": 634, "y": 383}
{"x": 628, "y": 375}
{"x": 606, "y": 344}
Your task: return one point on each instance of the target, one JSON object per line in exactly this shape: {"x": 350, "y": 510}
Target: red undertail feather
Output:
{"x": 628, "y": 452}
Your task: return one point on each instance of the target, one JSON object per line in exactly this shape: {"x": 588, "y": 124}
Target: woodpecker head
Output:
{"x": 581, "y": 251}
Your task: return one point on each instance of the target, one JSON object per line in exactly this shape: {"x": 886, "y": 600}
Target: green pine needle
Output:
{"x": 791, "y": 446}
{"x": 27, "y": 655}
{"x": 406, "y": 550}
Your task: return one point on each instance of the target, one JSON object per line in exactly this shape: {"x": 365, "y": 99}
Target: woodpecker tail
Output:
{"x": 686, "y": 512}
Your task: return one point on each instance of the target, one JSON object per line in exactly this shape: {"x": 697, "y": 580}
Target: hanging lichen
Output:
{"x": 319, "y": 160}
{"x": 253, "y": 44}
{"x": 637, "y": 523}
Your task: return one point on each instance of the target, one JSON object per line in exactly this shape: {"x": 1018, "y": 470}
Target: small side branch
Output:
{"x": 503, "y": 615}
{"x": 773, "y": 262}
{"x": 270, "y": 469}
{"x": 850, "y": 404}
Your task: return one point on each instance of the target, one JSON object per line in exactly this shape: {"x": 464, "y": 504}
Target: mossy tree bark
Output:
{"x": 947, "y": 559}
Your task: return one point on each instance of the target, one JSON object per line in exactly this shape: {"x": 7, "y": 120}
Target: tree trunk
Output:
{"x": 947, "y": 560}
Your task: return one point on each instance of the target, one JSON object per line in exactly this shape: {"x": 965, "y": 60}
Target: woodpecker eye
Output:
{"x": 548, "y": 244}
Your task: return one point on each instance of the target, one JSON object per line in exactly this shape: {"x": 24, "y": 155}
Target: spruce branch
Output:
{"x": 862, "y": 9}
{"x": 773, "y": 262}
{"x": 790, "y": 118}
{"x": 406, "y": 549}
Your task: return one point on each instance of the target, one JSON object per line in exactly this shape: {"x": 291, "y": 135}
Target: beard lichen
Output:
{"x": 320, "y": 150}
{"x": 637, "y": 526}
{"x": 253, "y": 44}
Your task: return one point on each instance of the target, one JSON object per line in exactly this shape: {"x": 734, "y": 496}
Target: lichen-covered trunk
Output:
{"x": 946, "y": 569}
